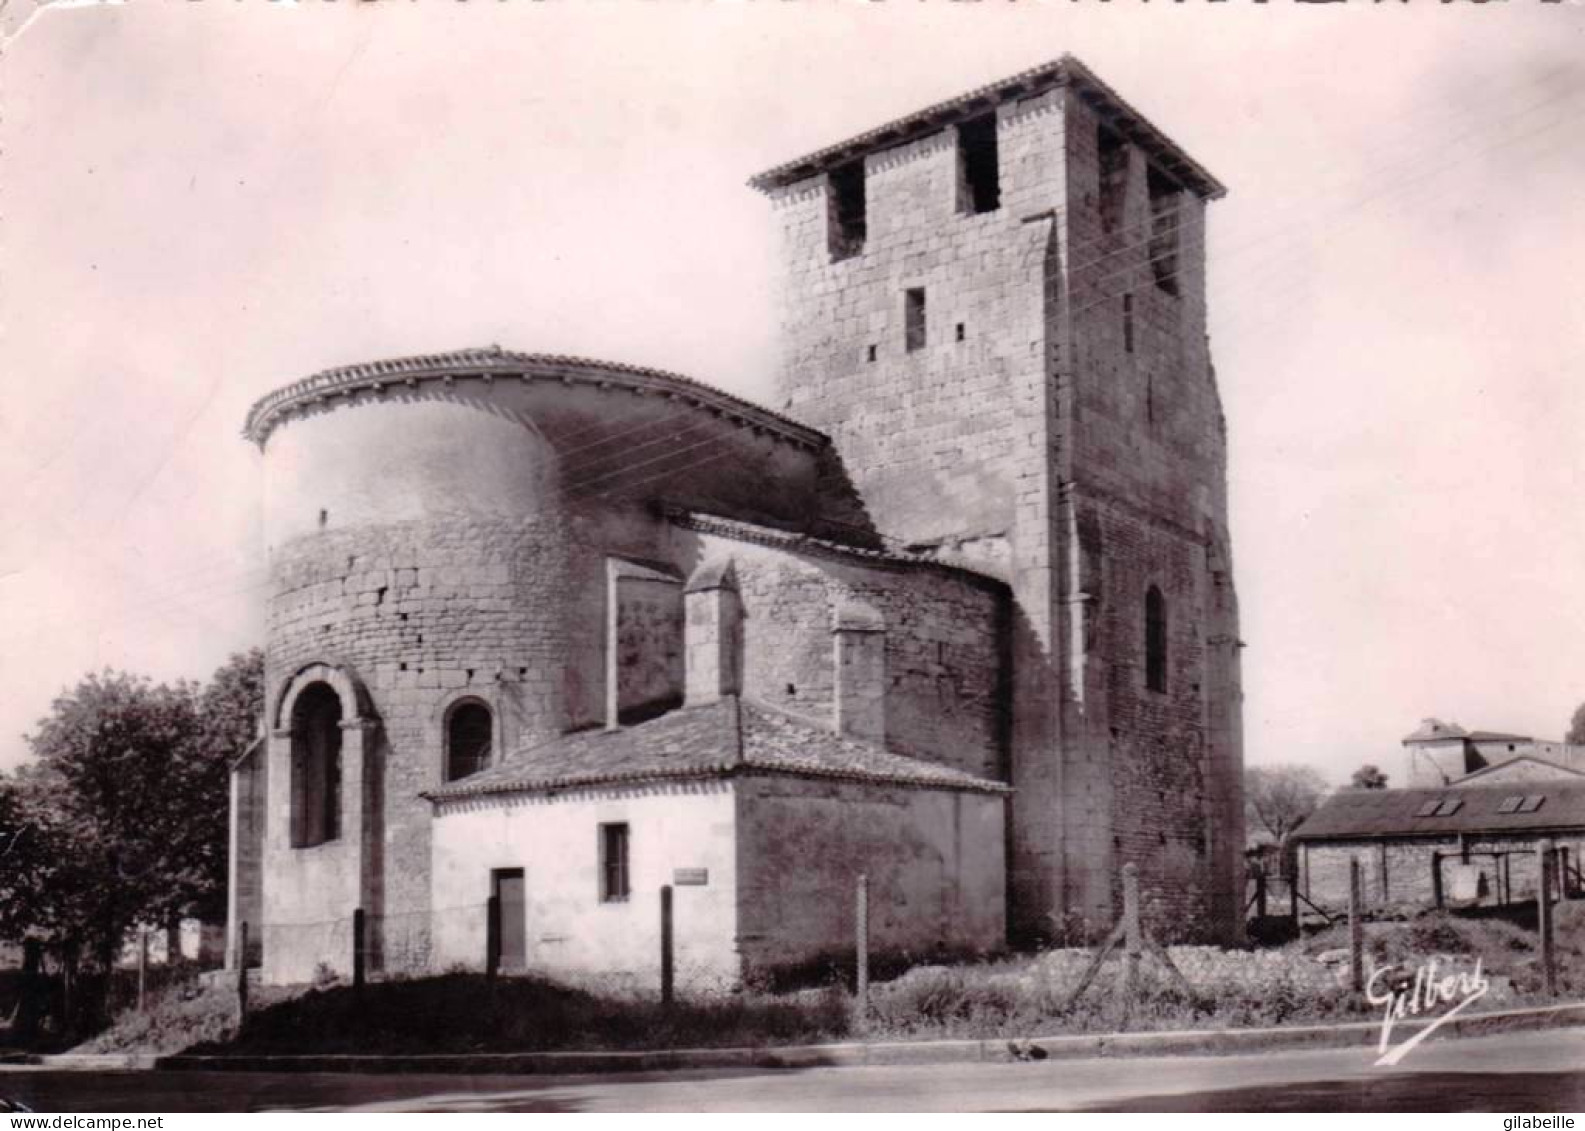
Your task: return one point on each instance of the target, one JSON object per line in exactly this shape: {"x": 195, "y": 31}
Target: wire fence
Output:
{"x": 654, "y": 954}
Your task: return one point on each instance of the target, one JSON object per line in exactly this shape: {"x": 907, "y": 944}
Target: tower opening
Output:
{"x": 847, "y": 220}
{"x": 979, "y": 166}
{"x": 1163, "y": 229}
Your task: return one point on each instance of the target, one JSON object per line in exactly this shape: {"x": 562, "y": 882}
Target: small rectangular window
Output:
{"x": 979, "y": 167}
{"x": 1164, "y": 220}
{"x": 1449, "y": 807}
{"x": 914, "y": 319}
{"x": 1429, "y": 808}
{"x": 1532, "y": 803}
{"x": 1128, "y": 323}
{"x": 847, "y": 221}
{"x": 1112, "y": 158}
{"x": 613, "y": 863}
{"x": 1509, "y": 805}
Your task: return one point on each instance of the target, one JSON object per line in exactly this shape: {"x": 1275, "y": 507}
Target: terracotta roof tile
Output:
{"x": 1356, "y": 813}
{"x": 716, "y": 740}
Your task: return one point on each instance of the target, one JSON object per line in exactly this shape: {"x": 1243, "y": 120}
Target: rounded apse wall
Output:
{"x": 371, "y": 462}
{"x": 418, "y": 542}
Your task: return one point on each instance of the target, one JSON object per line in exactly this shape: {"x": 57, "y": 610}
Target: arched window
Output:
{"x": 1155, "y": 640}
{"x": 316, "y": 766}
{"x": 469, "y": 730}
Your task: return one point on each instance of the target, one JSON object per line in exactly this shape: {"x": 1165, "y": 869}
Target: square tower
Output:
{"x": 995, "y": 307}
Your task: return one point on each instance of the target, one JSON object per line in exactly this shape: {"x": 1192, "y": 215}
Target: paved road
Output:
{"x": 1535, "y": 1072}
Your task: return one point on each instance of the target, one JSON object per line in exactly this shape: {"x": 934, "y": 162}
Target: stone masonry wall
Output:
{"x": 934, "y": 859}
{"x": 952, "y": 443}
{"x": 1398, "y": 872}
{"x": 424, "y": 613}
{"x": 945, "y": 667}
{"x": 1054, "y": 425}
{"x": 1145, "y": 505}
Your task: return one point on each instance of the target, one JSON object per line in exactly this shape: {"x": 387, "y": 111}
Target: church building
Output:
{"x": 553, "y": 640}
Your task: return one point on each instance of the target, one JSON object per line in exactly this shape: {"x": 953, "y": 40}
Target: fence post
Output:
{"x": 667, "y": 986}
{"x": 242, "y": 973}
{"x": 33, "y": 991}
{"x": 492, "y": 938}
{"x": 360, "y": 929}
{"x": 1356, "y": 928}
{"x": 1544, "y": 914}
{"x": 143, "y": 966}
{"x": 1132, "y": 933}
{"x": 861, "y": 951}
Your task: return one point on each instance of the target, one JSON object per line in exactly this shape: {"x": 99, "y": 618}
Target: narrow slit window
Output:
{"x": 1128, "y": 323}
{"x": 1164, "y": 220}
{"x": 914, "y": 319}
{"x": 613, "y": 863}
{"x": 1155, "y": 640}
{"x": 979, "y": 167}
{"x": 847, "y": 220}
{"x": 1112, "y": 158}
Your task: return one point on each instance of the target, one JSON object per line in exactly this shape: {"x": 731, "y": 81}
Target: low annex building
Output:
{"x": 548, "y": 635}
{"x": 1468, "y": 832}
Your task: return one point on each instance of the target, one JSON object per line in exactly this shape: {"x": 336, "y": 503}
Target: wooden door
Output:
{"x": 511, "y": 905}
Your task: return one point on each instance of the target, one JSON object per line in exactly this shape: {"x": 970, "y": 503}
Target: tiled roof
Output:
{"x": 1065, "y": 71}
{"x": 891, "y": 557}
{"x": 1354, "y": 813}
{"x": 1434, "y": 730}
{"x": 723, "y": 738}
{"x": 1525, "y": 759}
{"x": 493, "y": 361}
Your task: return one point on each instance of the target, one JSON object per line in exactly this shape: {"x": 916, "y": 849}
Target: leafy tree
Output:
{"x": 128, "y": 798}
{"x": 1576, "y": 727}
{"x": 1368, "y": 776}
{"x": 111, "y": 784}
{"x": 1277, "y": 799}
{"x": 26, "y": 855}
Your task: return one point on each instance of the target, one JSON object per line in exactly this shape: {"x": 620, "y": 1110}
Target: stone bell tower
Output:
{"x": 996, "y": 309}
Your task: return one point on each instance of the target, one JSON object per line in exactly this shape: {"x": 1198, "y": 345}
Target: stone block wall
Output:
{"x": 1399, "y": 872}
{"x": 945, "y": 664}
{"x": 416, "y": 601}
{"x": 934, "y": 859}
{"x": 1071, "y": 440}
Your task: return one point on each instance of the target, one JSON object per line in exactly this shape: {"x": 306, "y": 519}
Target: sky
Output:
{"x": 200, "y": 202}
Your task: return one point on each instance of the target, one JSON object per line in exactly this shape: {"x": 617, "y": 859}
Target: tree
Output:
{"x": 1368, "y": 776}
{"x": 1576, "y": 727}
{"x": 129, "y": 796}
{"x": 1277, "y": 799}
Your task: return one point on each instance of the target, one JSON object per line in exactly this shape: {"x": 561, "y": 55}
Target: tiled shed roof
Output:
{"x": 723, "y": 738}
{"x": 1356, "y": 813}
{"x": 1065, "y": 71}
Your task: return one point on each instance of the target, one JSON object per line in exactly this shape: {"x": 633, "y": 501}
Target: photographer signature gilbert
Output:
{"x": 1423, "y": 992}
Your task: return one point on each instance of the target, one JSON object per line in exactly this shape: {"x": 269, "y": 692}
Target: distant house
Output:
{"x": 1441, "y": 753}
{"x": 1472, "y": 843}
